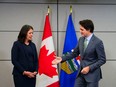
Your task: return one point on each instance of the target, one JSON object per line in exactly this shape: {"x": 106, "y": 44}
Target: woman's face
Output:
{"x": 29, "y": 35}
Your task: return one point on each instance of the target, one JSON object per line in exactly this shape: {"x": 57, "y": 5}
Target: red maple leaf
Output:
{"x": 45, "y": 63}
{"x": 55, "y": 84}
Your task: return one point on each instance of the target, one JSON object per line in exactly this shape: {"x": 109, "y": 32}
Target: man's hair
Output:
{"x": 87, "y": 24}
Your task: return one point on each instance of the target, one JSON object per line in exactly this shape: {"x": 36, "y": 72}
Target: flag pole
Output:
{"x": 71, "y": 9}
{"x": 48, "y": 10}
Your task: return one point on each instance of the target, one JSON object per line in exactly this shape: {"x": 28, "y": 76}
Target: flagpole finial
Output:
{"x": 71, "y": 9}
{"x": 48, "y": 10}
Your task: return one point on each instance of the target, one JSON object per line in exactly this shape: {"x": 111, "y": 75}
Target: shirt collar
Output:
{"x": 89, "y": 37}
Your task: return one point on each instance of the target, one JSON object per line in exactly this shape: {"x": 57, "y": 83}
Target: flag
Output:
{"x": 47, "y": 73}
{"x": 69, "y": 68}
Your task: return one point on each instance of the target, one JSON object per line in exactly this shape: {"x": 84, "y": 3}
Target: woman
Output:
{"x": 24, "y": 59}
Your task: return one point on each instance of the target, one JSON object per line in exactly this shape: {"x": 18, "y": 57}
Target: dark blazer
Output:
{"x": 20, "y": 59}
{"x": 94, "y": 57}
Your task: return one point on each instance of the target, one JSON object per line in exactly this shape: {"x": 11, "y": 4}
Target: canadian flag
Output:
{"x": 47, "y": 73}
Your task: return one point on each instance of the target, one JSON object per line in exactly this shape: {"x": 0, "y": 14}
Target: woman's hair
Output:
{"x": 87, "y": 24}
{"x": 23, "y": 33}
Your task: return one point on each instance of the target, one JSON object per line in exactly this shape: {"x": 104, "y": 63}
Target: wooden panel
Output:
{"x": 63, "y": 1}
{"x": 6, "y": 78}
{"x": 103, "y": 16}
{"x": 13, "y": 16}
{"x": 109, "y": 71}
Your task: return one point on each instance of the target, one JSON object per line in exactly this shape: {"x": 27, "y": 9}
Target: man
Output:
{"x": 92, "y": 53}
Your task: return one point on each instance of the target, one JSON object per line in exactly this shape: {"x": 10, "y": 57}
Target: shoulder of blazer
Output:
{"x": 96, "y": 38}
{"x": 17, "y": 43}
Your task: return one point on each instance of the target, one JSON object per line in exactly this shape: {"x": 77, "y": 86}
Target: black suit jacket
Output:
{"x": 94, "y": 57}
{"x": 20, "y": 59}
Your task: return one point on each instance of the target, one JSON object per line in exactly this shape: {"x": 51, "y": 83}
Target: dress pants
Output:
{"x": 81, "y": 82}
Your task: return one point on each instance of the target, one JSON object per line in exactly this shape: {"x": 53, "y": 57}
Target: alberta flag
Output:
{"x": 47, "y": 73}
{"x": 69, "y": 68}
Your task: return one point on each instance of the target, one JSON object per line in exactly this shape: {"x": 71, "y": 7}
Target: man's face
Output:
{"x": 83, "y": 31}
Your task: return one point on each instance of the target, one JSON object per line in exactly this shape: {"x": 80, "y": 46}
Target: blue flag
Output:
{"x": 69, "y": 68}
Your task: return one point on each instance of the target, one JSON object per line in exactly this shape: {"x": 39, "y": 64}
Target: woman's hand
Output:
{"x": 29, "y": 74}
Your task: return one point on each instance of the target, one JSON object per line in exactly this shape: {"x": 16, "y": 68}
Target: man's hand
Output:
{"x": 85, "y": 70}
{"x": 56, "y": 60}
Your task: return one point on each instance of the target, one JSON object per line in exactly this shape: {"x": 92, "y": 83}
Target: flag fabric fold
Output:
{"x": 69, "y": 68}
{"x": 47, "y": 73}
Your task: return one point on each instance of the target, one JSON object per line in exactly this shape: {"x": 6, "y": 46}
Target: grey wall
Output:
{"x": 15, "y": 13}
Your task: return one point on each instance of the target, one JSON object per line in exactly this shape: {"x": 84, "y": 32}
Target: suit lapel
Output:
{"x": 81, "y": 46}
